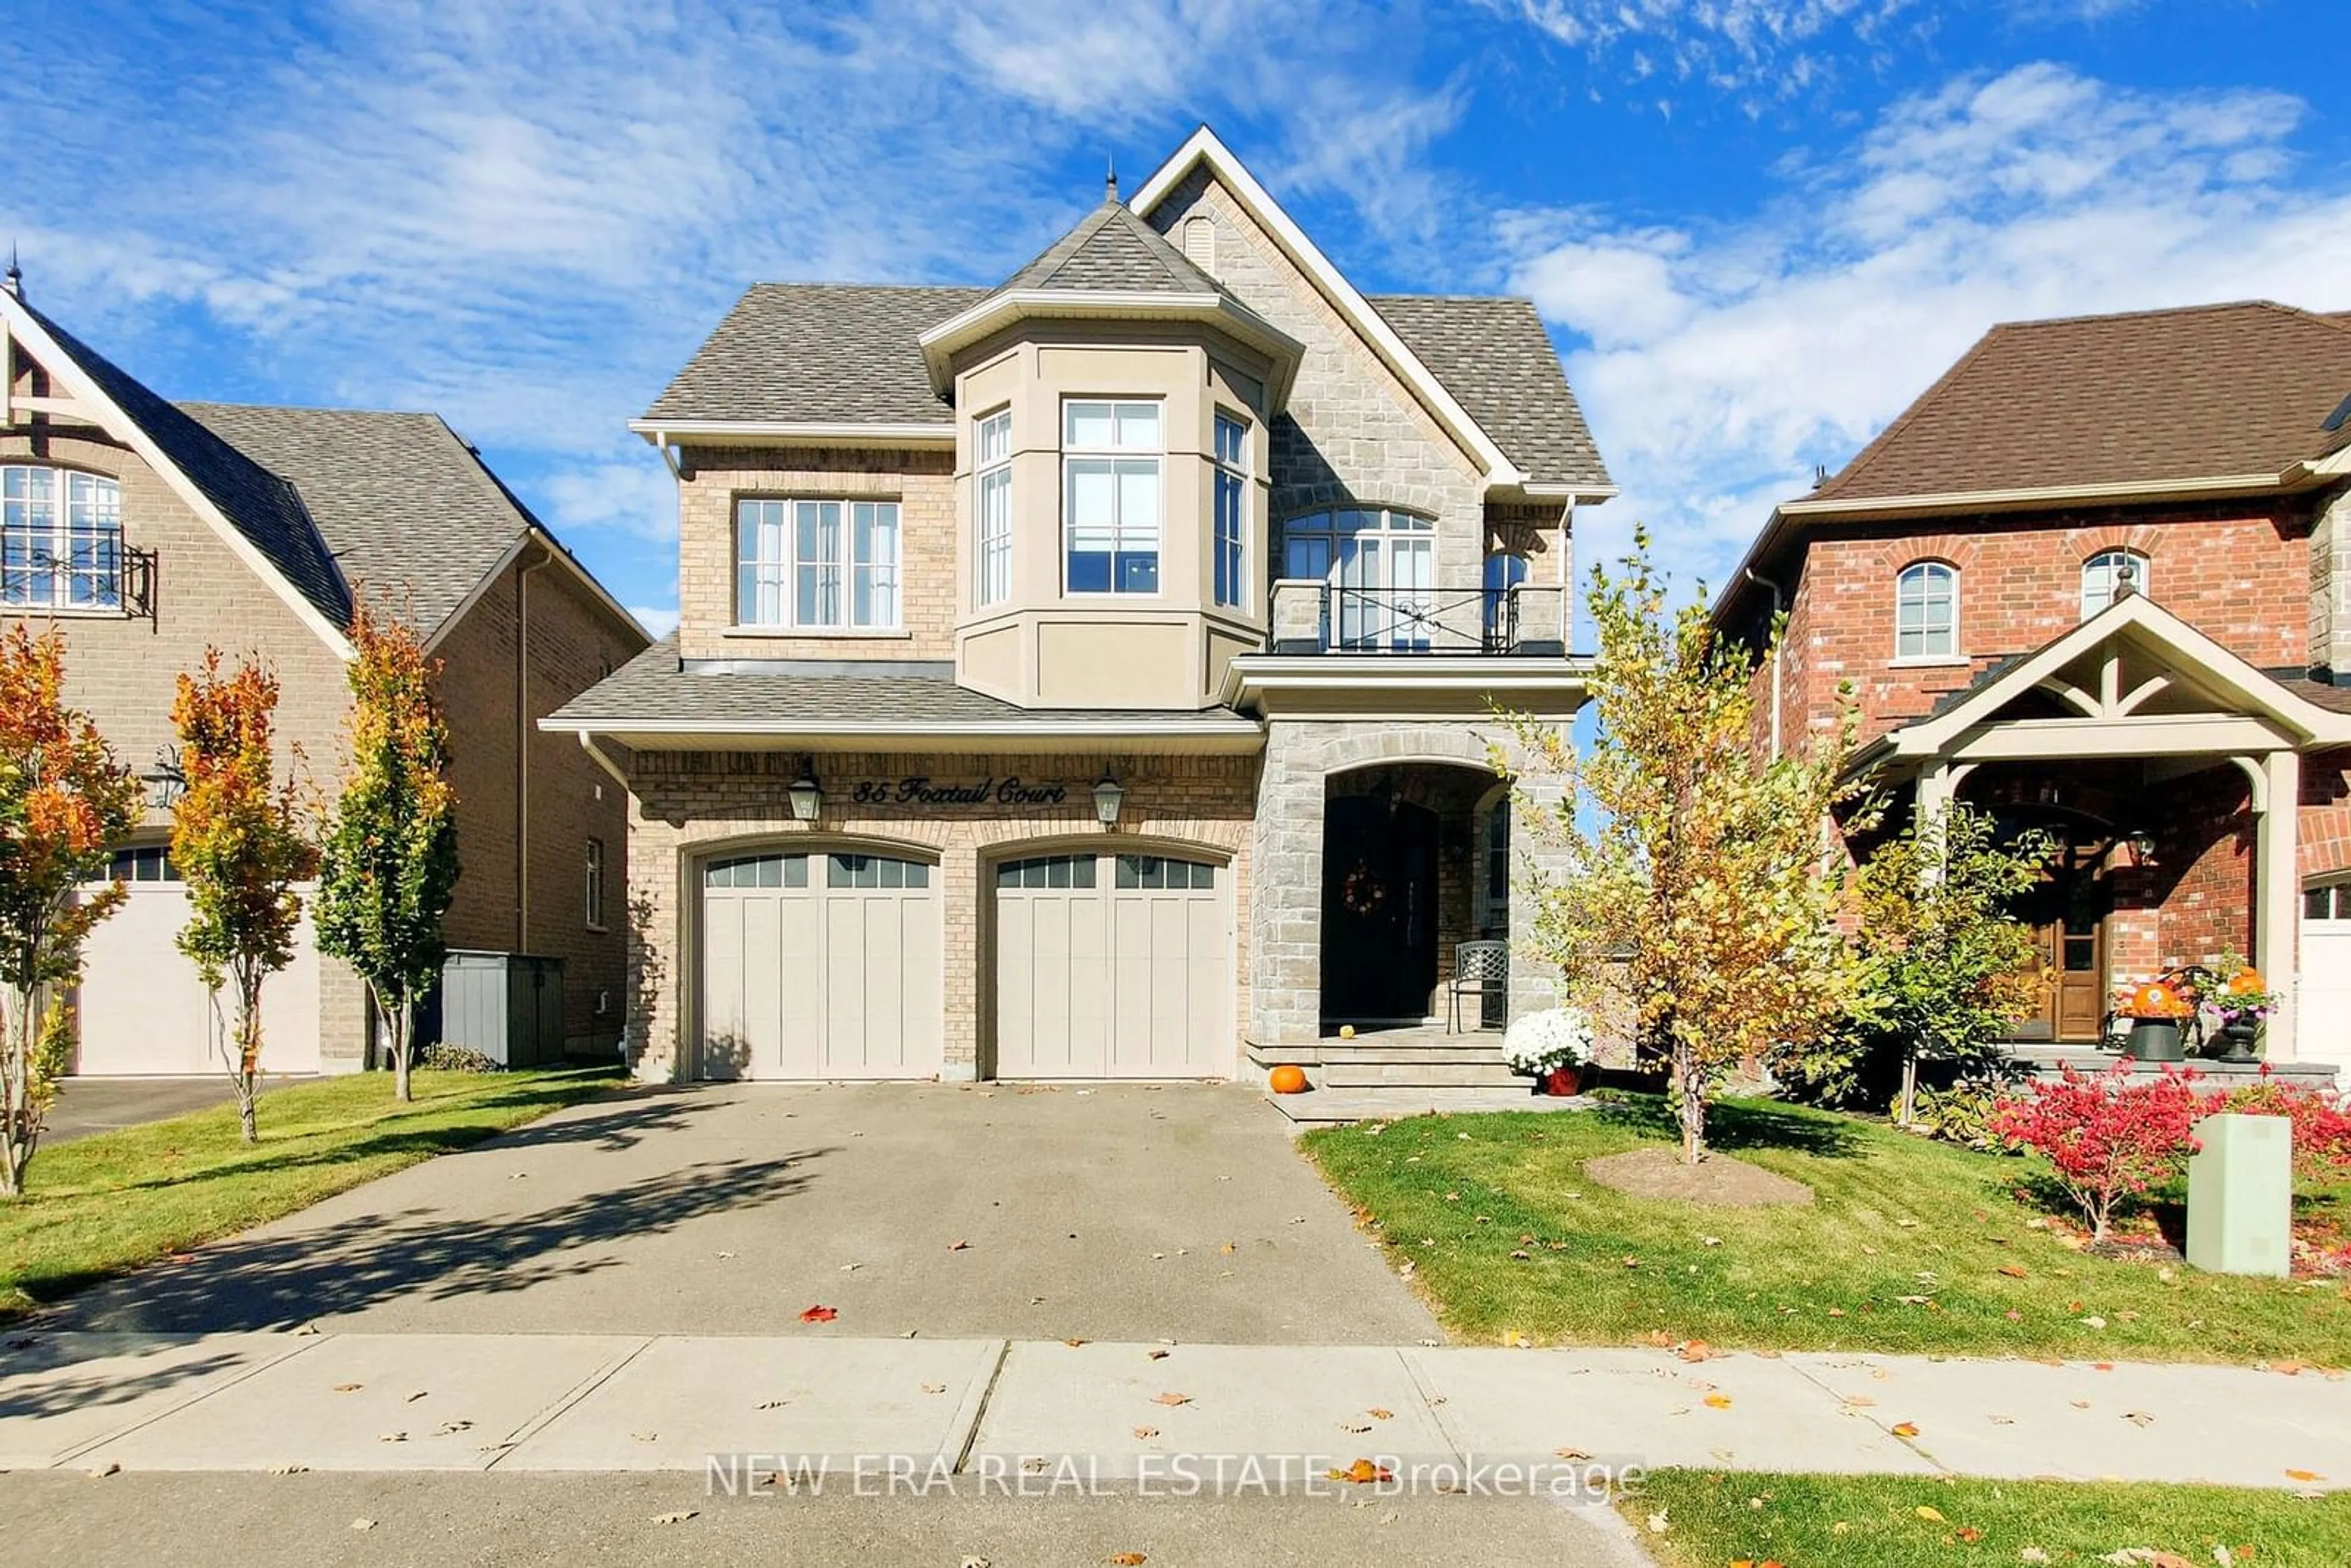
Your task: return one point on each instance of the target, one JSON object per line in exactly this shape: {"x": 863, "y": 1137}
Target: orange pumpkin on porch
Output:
{"x": 2155, "y": 1000}
{"x": 1288, "y": 1079}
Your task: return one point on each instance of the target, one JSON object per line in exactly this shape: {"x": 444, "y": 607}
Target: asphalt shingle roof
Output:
{"x": 656, "y": 684}
{"x": 1110, "y": 248}
{"x": 258, "y": 504}
{"x": 406, "y": 507}
{"x": 2150, "y": 395}
{"x": 1493, "y": 354}
{"x": 819, "y": 352}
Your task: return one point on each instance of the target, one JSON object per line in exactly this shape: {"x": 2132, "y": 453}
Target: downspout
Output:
{"x": 524, "y": 733}
{"x": 1779, "y": 606}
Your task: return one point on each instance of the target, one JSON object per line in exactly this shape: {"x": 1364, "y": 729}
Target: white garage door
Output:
{"x": 819, "y": 966}
{"x": 1112, "y": 966}
{"x": 2323, "y": 1032}
{"x": 142, "y": 1011}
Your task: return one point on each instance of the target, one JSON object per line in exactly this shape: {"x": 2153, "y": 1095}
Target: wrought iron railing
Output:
{"x": 1418, "y": 619}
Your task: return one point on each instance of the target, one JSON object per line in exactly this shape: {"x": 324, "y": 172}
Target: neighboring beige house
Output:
{"x": 148, "y": 531}
{"x": 1088, "y": 676}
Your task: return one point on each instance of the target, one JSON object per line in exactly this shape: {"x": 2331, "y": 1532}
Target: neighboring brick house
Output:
{"x": 1084, "y": 677}
{"x": 148, "y": 531}
{"x": 2097, "y": 579}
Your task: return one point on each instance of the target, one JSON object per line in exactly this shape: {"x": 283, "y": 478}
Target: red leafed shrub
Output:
{"x": 2322, "y": 1124}
{"x": 2106, "y": 1138}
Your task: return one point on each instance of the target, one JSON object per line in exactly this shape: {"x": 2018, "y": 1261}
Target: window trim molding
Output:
{"x": 846, "y": 561}
{"x": 1957, "y": 653}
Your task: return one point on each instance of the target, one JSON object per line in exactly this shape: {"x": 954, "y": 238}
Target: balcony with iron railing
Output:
{"x": 1313, "y": 615}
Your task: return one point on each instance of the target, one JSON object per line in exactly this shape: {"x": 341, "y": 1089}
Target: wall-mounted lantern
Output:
{"x": 164, "y": 780}
{"x": 1108, "y": 796}
{"x": 807, "y": 795}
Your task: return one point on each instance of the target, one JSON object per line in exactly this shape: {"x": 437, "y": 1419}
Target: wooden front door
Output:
{"x": 1379, "y": 910}
{"x": 2069, "y": 930}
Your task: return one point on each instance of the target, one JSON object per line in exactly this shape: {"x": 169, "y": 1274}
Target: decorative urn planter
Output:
{"x": 2235, "y": 1039}
{"x": 1562, "y": 1079}
{"x": 2154, "y": 1040}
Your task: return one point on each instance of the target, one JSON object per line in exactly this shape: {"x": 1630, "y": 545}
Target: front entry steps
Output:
{"x": 1389, "y": 1073}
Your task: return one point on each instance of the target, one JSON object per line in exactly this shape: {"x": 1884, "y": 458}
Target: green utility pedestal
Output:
{"x": 2240, "y": 1194}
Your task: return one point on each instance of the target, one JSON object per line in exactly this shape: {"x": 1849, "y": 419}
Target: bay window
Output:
{"x": 60, "y": 539}
{"x": 992, "y": 577}
{"x": 817, "y": 565}
{"x": 1110, "y": 496}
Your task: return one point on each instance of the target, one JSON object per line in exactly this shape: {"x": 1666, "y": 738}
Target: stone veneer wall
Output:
{"x": 1286, "y": 915}
{"x": 688, "y": 804}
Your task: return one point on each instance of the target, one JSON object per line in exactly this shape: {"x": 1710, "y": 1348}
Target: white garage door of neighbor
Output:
{"x": 1114, "y": 967}
{"x": 143, "y": 1012}
{"x": 2322, "y": 1027}
{"x": 819, "y": 966}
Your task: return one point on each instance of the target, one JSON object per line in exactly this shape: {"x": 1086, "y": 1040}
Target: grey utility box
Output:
{"x": 2240, "y": 1194}
{"x": 507, "y": 1006}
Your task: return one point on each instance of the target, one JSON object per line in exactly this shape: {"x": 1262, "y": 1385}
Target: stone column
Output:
{"x": 1285, "y": 896}
{"x": 2277, "y": 893}
{"x": 1534, "y": 981}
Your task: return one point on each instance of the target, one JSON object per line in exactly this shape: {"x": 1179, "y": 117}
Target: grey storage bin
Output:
{"x": 507, "y": 1006}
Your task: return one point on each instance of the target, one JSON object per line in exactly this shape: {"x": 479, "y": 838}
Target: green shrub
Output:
{"x": 455, "y": 1058}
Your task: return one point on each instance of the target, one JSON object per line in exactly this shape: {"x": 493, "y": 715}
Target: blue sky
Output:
{"x": 1757, "y": 228}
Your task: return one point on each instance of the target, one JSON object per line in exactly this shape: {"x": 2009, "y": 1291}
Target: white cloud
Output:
{"x": 1719, "y": 364}
{"x": 1759, "y": 50}
{"x": 658, "y": 619}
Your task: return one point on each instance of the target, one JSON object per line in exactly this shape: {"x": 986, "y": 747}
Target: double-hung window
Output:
{"x": 1927, "y": 611}
{"x": 1111, "y": 490}
{"x": 1231, "y": 533}
{"x": 993, "y": 450}
{"x": 817, "y": 565}
{"x": 2103, "y": 575}
{"x": 60, "y": 539}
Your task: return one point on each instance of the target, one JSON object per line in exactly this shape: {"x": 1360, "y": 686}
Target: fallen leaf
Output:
{"x": 1695, "y": 1350}
{"x": 2033, "y": 1554}
{"x": 1379, "y": 1415}
{"x": 391, "y": 1436}
{"x": 1969, "y": 1534}
{"x": 1363, "y": 1472}
{"x": 2014, "y": 1271}
{"x": 958, "y": 1246}
{"x": 1905, "y": 1428}
{"x": 1354, "y": 1426}
{"x": 363, "y": 1524}
{"x": 2303, "y": 1476}
{"x": 1154, "y": 1354}
{"x": 1127, "y": 1559}
{"x": 1930, "y": 1514}
{"x": 1718, "y": 1401}
{"x": 679, "y": 1517}
{"x": 1146, "y": 1432}
{"x": 771, "y": 1405}
{"x": 348, "y": 1387}
{"x": 1659, "y": 1523}
{"x": 450, "y": 1428}
{"x": 935, "y": 1389}
{"x": 820, "y": 1314}
{"x": 414, "y": 1398}
{"x": 1171, "y": 1400}
{"x": 2139, "y": 1417}
{"x": 280, "y": 1469}
{"x": 1073, "y": 1343}
{"x": 99, "y": 1473}
{"x": 1570, "y": 1454}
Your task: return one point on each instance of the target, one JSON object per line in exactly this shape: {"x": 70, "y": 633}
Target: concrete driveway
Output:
{"x": 1111, "y": 1212}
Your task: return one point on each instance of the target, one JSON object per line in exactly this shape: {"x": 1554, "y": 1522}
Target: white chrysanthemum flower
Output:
{"x": 1556, "y": 1037}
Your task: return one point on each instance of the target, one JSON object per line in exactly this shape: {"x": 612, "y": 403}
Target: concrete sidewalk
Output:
{"x": 1123, "y": 1413}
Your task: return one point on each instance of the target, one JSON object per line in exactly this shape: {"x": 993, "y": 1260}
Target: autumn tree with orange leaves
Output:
{"x": 237, "y": 839}
{"x": 389, "y": 855}
{"x": 64, "y": 804}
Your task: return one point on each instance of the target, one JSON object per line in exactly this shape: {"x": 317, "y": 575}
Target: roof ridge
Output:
{"x": 1876, "y": 444}
{"x": 2207, "y": 308}
{"x": 186, "y": 405}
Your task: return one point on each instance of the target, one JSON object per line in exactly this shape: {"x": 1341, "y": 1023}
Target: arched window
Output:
{"x": 1927, "y": 611}
{"x": 60, "y": 539}
{"x": 2103, "y": 574}
{"x": 1382, "y": 568}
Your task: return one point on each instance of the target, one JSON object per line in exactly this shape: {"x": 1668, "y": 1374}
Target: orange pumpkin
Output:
{"x": 2154, "y": 1000}
{"x": 2247, "y": 982}
{"x": 1288, "y": 1079}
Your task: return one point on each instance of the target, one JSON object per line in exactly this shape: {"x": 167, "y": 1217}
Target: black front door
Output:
{"x": 1379, "y": 914}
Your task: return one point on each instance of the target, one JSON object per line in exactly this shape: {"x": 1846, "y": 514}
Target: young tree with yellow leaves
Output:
{"x": 64, "y": 804}
{"x": 389, "y": 860}
{"x": 1702, "y": 892}
{"x": 237, "y": 837}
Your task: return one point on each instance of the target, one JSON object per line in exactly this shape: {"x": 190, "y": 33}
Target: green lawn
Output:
{"x": 1894, "y": 1217}
{"x": 110, "y": 1202}
{"x": 1875, "y": 1521}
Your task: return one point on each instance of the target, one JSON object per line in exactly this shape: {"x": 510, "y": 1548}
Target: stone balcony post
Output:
{"x": 1540, "y": 619}
{"x": 1298, "y": 615}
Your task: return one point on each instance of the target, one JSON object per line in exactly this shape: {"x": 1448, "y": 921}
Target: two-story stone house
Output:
{"x": 2097, "y": 579}
{"x": 148, "y": 532}
{"x": 1081, "y": 678}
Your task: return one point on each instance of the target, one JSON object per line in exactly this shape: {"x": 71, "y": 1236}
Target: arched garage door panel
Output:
{"x": 819, "y": 966}
{"x": 1112, "y": 966}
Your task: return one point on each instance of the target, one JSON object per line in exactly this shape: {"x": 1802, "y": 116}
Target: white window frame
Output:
{"x": 1380, "y": 565}
{"x": 595, "y": 884}
{"x": 83, "y": 510}
{"x": 1229, "y": 503}
{"x": 1124, "y": 462}
{"x": 1923, "y": 573}
{"x": 828, "y": 558}
{"x": 2104, "y": 564}
{"x": 992, "y": 508}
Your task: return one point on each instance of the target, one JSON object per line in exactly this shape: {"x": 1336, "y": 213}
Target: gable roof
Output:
{"x": 409, "y": 513}
{"x": 1496, "y": 355}
{"x": 1110, "y": 248}
{"x": 265, "y": 511}
{"x": 2208, "y": 392}
{"x": 816, "y": 353}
